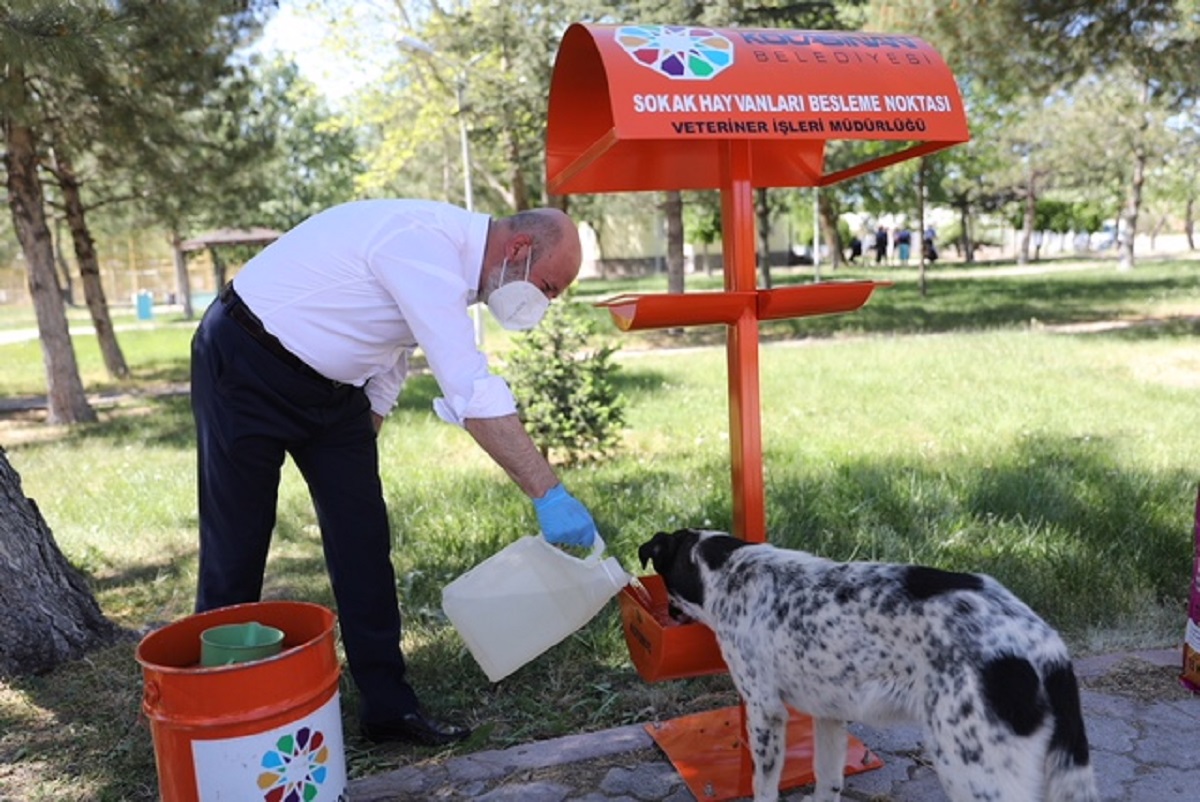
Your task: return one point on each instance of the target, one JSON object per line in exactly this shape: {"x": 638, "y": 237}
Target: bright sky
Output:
{"x": 301, "y": 37}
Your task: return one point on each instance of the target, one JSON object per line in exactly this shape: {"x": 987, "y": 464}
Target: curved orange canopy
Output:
{"x": 647, "y": 107}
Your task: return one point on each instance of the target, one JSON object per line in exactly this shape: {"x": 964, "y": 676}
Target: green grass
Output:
{"x": 1064, "y": 464}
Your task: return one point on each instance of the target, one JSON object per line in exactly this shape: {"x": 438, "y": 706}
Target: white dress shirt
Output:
{"x": 354, "y": 289}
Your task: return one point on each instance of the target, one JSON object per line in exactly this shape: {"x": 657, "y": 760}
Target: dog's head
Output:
{"x": 682, "y": 556}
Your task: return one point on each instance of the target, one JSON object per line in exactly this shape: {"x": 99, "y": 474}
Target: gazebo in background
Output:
{"x": 210, "y": 241}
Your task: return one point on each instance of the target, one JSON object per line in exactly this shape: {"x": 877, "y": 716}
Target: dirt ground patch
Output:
{"x": 1140, "y": 680}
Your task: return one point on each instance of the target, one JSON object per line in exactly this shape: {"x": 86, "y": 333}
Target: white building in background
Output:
{"x": 636, "y": 244}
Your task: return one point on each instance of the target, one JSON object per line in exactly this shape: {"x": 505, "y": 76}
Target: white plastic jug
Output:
{"x": 526, "y": 598}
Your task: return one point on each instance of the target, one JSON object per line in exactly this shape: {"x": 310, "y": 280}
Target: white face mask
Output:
{"x": 518, "y": 305}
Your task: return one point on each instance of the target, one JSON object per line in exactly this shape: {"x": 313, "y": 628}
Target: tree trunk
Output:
{"x": 183, "y": 283}
{"x": 520, "y": 188}
{"x": 66, "y": 400}
{"x": 89, "y": 267}
{"x": 919, "y": 235}
{"x": 1159, "y": 225}
{"x": 1132, "y": 210}
{"x": 218, "y": 268}
{"x": 964, "y": 216}
{"x": 764, "y": 238}
{"x": 828, "y": 212}
{"x": 1189, "y": 223}
{"x": 673, "y": 211}
{"x": 1133, "y": 204}
{"x": 64, "y": 269}
{"x": 1028, "y": 224}
{"x": 50, "y": 613}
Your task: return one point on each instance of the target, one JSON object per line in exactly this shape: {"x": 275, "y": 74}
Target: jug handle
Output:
{"x": 594, "y": 559}
{"x": 597, "y": 550}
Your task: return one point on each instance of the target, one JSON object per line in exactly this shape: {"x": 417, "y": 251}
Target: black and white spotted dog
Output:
{"x": 991, "y": 682}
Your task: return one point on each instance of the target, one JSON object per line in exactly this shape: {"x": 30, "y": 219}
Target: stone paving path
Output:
{"x": 1144, "y": 731}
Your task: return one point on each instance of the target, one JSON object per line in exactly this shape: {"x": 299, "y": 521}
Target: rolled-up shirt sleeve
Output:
{"x": 490, "y": 398}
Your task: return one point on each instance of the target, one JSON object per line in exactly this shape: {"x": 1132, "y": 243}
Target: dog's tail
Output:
{"x": 1069, "y": 776}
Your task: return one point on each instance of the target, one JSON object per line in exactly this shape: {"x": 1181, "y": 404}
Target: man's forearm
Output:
{"x": 506, "y": 441}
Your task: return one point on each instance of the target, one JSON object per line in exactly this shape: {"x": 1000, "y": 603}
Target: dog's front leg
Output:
{"x": 830, "y": 744}
{"x": 767, "y": 731}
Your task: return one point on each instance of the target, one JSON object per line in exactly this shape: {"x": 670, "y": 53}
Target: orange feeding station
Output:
{"x": 665, "y": 107}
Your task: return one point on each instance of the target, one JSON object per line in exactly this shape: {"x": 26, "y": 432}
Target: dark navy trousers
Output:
{"x": 251, "y": 409}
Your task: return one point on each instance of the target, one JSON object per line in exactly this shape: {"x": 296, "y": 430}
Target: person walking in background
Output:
{"x": 856, "y": 248}
{"x": 904, "y": 245}
{"x": 305, "y": 353}
{"x": 928, "y": 242}
{"x": 881, "y": 245}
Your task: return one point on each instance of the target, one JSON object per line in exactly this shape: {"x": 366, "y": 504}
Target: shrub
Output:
{"x": 565, "y": 389}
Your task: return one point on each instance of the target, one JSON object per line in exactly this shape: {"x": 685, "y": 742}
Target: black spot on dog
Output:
{"x": 782, "y": 610}
{"x": 845, "y": 594}
{"x": 970, "y": 753}
{"x": 1069, "y": 736}
{"x": 924, "y": 583}
{"x": 735, "y": 579}
{"x": 966, "y": 710}
{"x": 715, "y": 550}
{"x": 964, "y": 608}
{"x": 1011, "y": 687}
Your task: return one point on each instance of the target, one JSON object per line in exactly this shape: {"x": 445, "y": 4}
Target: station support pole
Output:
{"x": 745, "y": 426}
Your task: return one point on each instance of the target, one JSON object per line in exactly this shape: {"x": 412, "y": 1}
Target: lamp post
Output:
{"x": 415, "y": 45}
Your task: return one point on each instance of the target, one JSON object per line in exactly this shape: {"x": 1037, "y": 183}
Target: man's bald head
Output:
{"x": 549, "y": 234}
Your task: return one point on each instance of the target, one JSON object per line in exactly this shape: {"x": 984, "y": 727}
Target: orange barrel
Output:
{"x": 266, "y": 730}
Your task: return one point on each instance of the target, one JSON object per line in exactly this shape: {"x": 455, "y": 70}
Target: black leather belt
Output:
{"x": 236, "y": 308}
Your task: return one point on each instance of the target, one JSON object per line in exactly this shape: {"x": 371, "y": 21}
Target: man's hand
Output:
{"x": 564, "y": 519}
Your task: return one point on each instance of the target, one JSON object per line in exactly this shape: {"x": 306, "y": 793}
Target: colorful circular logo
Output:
{"x": 295, "y": 769}
{"x": 676, "y": 51}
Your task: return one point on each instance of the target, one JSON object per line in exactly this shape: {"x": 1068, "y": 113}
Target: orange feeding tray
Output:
{"x": 660, "y": 647}
{"x": 656, "y": 311}
{"x": 823, "y": 298}
{"x": 633, "y": 311}
{"x": 669, "y": 107}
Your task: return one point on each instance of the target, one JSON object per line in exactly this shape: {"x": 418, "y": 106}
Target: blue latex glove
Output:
{"x": 564, "y": 519}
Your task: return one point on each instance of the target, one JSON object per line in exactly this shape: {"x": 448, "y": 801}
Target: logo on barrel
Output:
{"x": 678, "y": 52}
{"x": 295, "y": 769}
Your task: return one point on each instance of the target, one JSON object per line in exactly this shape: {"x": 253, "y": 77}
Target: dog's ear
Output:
{"x": 715, "y": 550}
{"x": 671, "y": 554}
{"x": 656, "y": 548}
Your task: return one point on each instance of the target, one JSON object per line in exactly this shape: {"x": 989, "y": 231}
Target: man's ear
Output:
{"x": 517, "y": 248}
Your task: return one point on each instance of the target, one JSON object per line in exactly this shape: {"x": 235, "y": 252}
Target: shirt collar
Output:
{"x": 477, "y": 234}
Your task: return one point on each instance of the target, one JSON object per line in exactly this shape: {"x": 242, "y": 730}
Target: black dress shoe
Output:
{"x": 415, "y": 728}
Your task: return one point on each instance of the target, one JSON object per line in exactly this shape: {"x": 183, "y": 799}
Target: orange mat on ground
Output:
{"x": 708, "y": 752}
